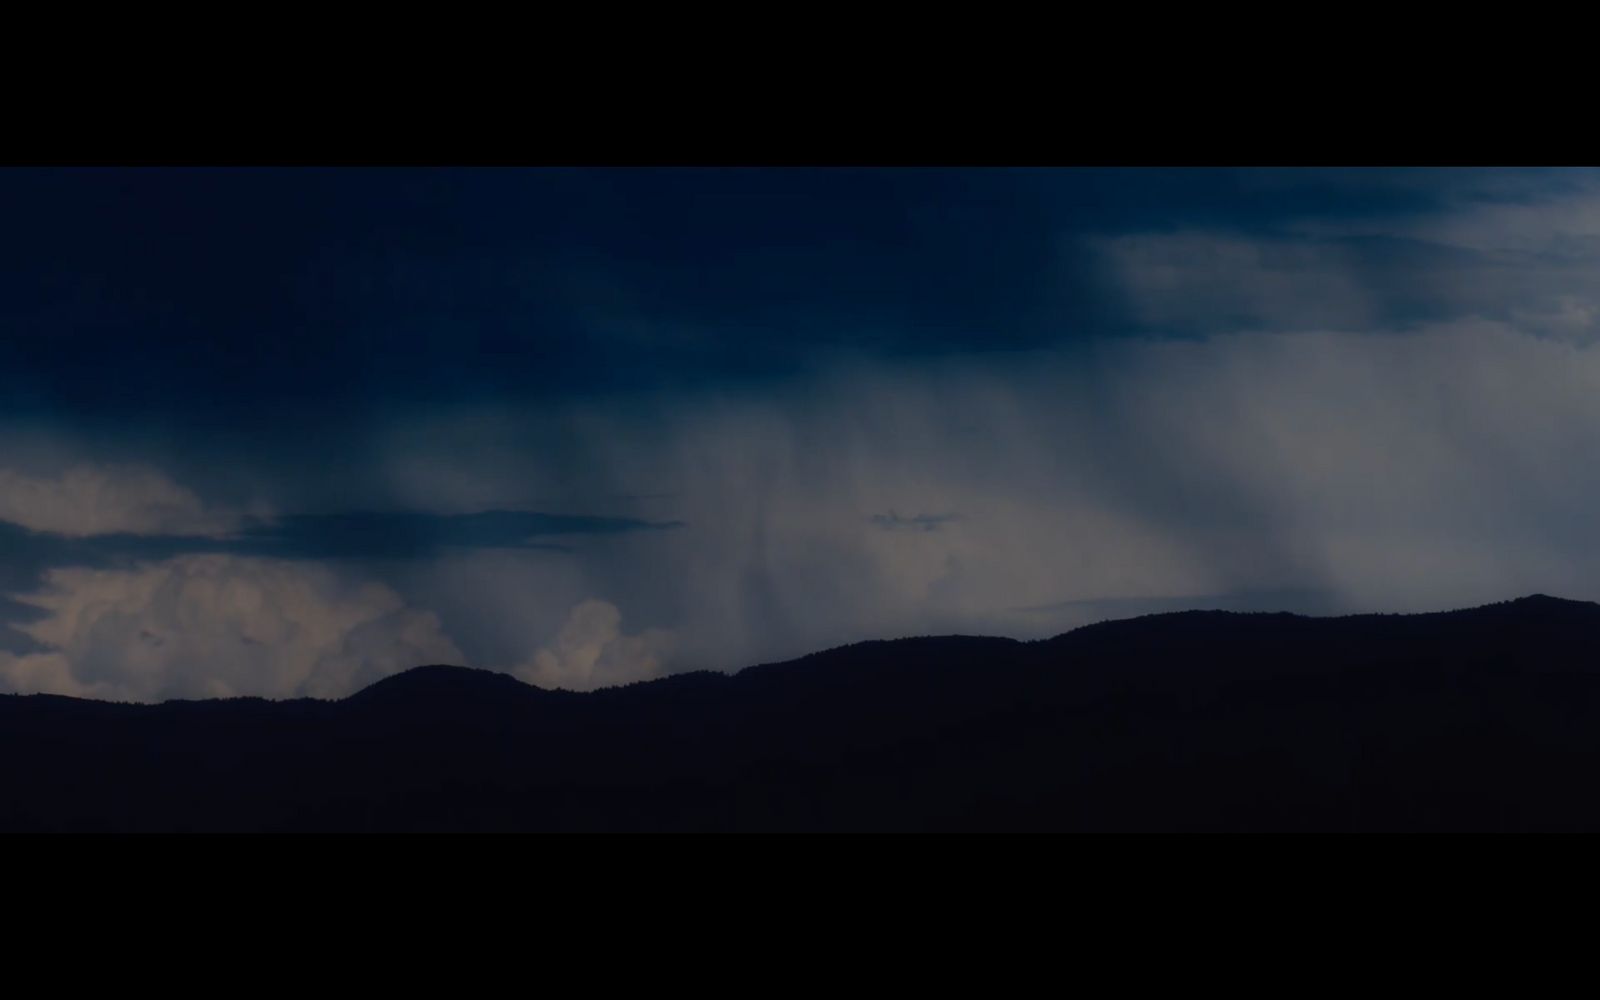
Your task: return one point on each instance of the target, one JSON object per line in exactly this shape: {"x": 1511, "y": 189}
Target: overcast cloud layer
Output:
{"x": 1339, "y": 391}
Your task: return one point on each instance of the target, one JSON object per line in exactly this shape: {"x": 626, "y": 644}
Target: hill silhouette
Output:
{"x": 1481, "y": 719}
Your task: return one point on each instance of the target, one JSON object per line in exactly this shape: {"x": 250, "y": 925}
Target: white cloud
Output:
{"x": 108, "y": 499}
{"x": 592, "y": 652}
{"x": 219, "y": 626}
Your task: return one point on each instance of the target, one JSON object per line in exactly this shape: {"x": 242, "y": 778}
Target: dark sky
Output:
{"x": 285, "y": 431}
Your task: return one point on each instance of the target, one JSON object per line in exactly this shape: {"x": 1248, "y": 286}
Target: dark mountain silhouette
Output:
{"x": 453, "y": 687}
{"x": 1482, "y": 719}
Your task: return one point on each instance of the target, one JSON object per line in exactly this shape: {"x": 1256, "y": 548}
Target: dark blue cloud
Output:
{"x": 249, "y": 295}
{"x": 157, "y": 289}
{"x": 362, "y": 535}
{"x": 410, "y": 535}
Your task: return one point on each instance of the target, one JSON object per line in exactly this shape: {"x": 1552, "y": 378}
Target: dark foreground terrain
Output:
{"x": 1485, "y": 719}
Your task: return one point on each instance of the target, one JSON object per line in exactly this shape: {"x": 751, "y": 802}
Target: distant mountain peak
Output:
{"x": 1543, "y": 602}
{"x": 441, "y": 682}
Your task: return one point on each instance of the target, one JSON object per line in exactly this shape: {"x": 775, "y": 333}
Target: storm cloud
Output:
{"x": 649, "y": 423}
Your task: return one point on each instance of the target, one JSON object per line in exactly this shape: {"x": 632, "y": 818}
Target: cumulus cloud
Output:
{"x": 218, "y": 626}
{"x": 89, "y": 500}
{"x": 119, "y": 583}
{"x": 591, "y": 652}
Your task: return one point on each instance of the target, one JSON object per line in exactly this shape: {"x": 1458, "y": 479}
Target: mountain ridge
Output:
{"x": 445, "y": 678}
{"x": 1479, "y": 719}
